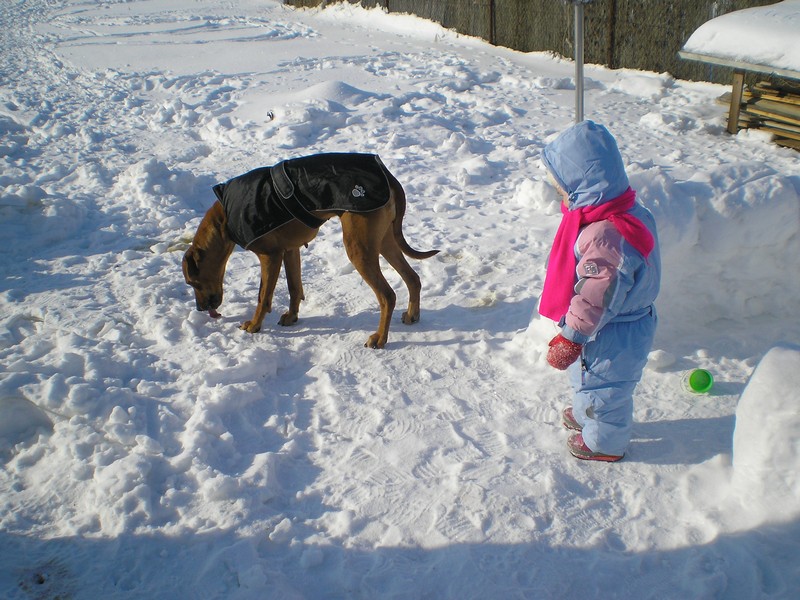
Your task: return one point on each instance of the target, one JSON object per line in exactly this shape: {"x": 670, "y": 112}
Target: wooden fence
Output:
{"x": 634, "y": 34}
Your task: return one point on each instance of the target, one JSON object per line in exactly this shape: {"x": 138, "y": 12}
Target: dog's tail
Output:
{"x": 397, "y": 226}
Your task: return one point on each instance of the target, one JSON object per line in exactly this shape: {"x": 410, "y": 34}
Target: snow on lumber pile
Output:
{"x": 759, "y": 39}
{"x": 772, "y": 108}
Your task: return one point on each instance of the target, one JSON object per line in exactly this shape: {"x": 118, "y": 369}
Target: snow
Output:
{"x": 767, "y": 412}
{"x": 150, "y": 451}
{"x": 766, "y": 35}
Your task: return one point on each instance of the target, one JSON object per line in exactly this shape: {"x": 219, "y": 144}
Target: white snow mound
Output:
{"x": 766, "y": 440}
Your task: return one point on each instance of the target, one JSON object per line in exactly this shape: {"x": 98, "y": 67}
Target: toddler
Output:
{"x": 602, "y": 278}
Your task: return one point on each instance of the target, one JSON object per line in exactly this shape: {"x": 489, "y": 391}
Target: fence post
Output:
{"x": 492, "y": 24}
{"x": 736, "y": 101}
{"x": 612, "y": 35}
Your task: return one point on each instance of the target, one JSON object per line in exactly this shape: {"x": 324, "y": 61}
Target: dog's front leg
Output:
{"x": 270, "y": 271}
{"x": 294, "y": 280}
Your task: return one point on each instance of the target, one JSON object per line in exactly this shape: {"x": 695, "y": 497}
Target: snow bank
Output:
{"x": 766, "y": 441}
{"x": 728, "y": 236}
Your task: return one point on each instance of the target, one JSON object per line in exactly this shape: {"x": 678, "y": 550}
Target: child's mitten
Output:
{"x": 562, "y": 352}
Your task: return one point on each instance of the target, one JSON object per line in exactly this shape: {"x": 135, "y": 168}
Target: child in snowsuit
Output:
{"x": 602, "y": 278}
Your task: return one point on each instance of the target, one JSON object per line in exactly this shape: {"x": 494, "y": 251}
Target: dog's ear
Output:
{"x": 190, "y": 259}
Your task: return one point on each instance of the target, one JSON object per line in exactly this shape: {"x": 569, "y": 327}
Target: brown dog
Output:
{"x": 368, "y": 232}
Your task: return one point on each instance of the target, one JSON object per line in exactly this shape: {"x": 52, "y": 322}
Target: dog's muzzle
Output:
{"x": 210, "y": 303}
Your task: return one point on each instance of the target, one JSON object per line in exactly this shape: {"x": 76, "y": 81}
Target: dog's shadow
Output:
{"x": 450, "y": 325}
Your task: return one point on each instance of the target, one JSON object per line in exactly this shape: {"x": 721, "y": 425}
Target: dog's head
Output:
{"x": 205, "y": 277}
{"x": 205, "y": 261}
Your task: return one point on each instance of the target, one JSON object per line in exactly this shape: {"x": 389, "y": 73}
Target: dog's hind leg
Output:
{"x": 270, "y": 270}
{"x": 370, "y": 270}
{"x": 363, "y": 246}
{"x": 294, "y": 280}
{"x": 394, "y": 255}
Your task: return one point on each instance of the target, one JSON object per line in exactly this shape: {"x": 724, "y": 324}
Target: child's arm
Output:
{"x": 602, "y": 282}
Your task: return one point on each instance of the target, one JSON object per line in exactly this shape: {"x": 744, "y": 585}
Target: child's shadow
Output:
{"x": 685, "y": 441}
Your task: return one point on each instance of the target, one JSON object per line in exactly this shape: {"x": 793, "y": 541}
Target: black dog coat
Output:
{"x": 264, "y": 199}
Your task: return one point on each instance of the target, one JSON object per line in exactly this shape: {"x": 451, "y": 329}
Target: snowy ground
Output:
{"x": 149, "y": 451}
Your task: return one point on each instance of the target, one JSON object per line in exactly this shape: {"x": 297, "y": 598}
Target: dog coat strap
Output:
{"x": 284, "y": 189}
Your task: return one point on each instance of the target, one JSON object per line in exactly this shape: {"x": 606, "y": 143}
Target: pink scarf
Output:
{"x": 559, "y": 282}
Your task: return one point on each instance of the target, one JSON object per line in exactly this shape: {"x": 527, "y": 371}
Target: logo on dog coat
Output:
{"x": 358, "y": 192}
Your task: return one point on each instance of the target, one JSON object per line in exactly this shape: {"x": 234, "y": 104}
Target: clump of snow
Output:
{"x": 20, "y": 419}
{"x": 660, "y": 360}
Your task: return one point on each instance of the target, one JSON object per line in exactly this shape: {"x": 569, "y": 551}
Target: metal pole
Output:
{"x": 578, "y": 62}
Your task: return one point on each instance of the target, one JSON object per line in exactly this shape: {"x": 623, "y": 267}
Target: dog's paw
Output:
{"x": 375, "y": 341}
{"x": 288, "y": 318}
{"x": 249, "y": 327}
{"x": 408, "y": 318}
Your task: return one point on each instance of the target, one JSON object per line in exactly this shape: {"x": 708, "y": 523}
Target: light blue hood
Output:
{"x": 585, "y": 161}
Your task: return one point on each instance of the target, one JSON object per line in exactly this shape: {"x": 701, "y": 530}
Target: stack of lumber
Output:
{"x": 772, "y": 108}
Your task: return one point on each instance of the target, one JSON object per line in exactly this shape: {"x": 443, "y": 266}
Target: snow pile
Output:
{"x": 766, "y": 450}
{"x": 717, "y": 233}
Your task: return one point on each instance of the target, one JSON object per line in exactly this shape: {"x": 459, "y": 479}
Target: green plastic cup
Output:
{"x": 700, "y": 381}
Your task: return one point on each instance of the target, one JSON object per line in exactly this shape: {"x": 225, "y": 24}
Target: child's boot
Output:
{"x": 569, "y": 421}
{"x": 579, "y": 449}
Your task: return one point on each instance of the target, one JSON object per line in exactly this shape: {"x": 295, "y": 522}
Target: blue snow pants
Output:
{"x": 605, "y": 377}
